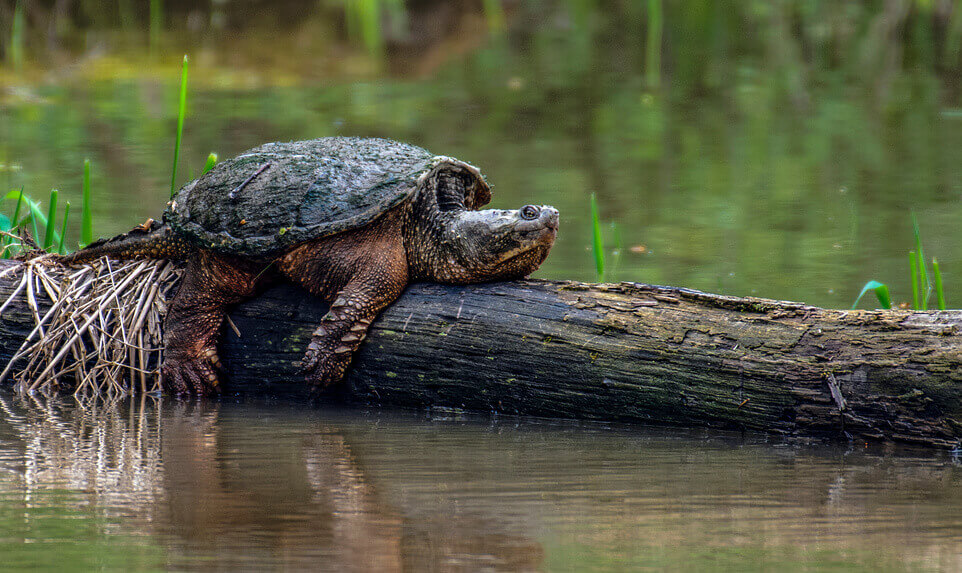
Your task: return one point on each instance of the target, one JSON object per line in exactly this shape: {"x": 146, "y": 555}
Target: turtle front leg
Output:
{"x": 344, "y": 327}
{"x": 193, "y": 323}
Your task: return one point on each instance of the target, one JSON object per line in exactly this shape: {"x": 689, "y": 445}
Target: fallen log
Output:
{"x": 618, "y": 352}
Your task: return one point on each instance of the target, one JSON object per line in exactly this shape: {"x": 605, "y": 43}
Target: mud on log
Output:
{"x": 622, "y": 352}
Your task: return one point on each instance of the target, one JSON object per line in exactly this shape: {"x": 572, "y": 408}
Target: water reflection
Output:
{"x": 207, "y": 486}
{"x": 219, "y": 491}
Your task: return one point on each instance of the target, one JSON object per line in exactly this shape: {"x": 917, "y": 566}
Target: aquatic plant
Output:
{"x": 922, "y": 288}
{"x": 602, "y": 268}
{"x": 211, "y": 161}
{"x": 13, "y": 241}
{"x": 940, "y": 295}
{"x": 597, "y": 244}
{"x": 105, "y": 320}
{"x": 181, "y": 112}
{"x": 48, "y": 237}
{"x": 63, "y": 229}
{"x": 881, "y": 292}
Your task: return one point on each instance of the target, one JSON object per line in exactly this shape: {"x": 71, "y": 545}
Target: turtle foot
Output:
{"x": 324, "y": 367}
{"x": 191, "y": 376}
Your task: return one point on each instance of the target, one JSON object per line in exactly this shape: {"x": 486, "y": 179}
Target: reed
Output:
{"x": 63, "y": 229}
{"x": 597, "y": 244}
{"x": 922, "y": 286}
{"x": 35, "y": 238}
{"x": 937, "y": 275}
{"x": 16, "y": 211}
{"x": 925, "y": 287}
{"x": 181, "y": 112}
{"x": 36, "y": 219}
{"x": 49, "y": 233}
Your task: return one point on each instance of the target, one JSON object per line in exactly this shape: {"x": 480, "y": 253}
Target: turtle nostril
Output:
{"x": 530, "y": 212}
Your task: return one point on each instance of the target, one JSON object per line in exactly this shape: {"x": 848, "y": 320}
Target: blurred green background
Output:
{"x": 755, "y": 147}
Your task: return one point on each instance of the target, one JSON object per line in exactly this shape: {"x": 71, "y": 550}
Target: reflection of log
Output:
{"x": 623, "y": 353}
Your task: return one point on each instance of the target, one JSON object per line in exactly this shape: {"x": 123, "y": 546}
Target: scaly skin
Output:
{"x": 152, "y": 240}
{"x": 360, "y": 272}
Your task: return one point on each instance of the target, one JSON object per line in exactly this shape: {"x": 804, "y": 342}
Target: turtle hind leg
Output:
{"x": 194, "y": 322}
{"x": 152, "y": 240}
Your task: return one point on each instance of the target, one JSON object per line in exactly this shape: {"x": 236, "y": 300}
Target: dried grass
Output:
{"x": 102, "y": 331}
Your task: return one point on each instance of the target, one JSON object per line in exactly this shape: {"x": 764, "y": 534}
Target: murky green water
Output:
{"x": 773, "y": 149}
{"x": 275, "y": 486}
{"x": 779, "y": 152}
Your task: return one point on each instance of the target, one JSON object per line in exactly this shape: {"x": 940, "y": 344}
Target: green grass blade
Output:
{"x": 914, "y": 272}
{"x": 211, "y": 162}
{"x": 16, "y": 212}
{"x": 181, "y": 111}
{"x": 33, "y": 223}
{"x": 63, "y": 229}
{"x": 48, "y": 237}
{"x": 7, "y": 253}
{"x": 925, "y": 288}
{"x": 881, "y": 292}
{"x": 86, "y": 215}
{"x": 596, "y": 241}
{"x": 937, "y": 275}
{"x": 32, "y": 206}
{"x": 35, "y": 216}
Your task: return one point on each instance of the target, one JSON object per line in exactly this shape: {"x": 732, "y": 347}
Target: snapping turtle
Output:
{"x": 350, "y": 220}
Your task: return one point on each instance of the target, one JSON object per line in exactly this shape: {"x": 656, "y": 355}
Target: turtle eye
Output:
{"x": 530, "y": 212}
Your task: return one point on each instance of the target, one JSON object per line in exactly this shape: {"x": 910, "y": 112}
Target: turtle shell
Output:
{"x": 280, "y": 194}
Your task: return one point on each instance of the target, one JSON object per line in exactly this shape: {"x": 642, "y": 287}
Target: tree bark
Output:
{"x": 618, "y": 352}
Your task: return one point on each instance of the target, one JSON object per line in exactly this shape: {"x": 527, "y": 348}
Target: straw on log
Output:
{"x": 618, "y": 352}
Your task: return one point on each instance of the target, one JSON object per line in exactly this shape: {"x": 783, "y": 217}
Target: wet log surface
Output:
{"x": 624, "y": 352}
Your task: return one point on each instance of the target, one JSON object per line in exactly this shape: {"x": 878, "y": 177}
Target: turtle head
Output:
{"x": 450, "y": 240}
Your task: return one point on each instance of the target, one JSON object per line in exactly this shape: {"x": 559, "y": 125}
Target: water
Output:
{"x": 770, "y": 149}
{"x": 149, "y": 485}
{"x": 783, "y": 165}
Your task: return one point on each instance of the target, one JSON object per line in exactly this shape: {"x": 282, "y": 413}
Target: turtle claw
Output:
{"x": 322, "y": 369}
{"x": 310, "y": 360}
{"x": 191, "y": 377}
